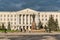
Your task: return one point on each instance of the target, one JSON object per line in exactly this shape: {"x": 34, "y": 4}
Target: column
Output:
{"x": 25, "y": 19}
{"x": 21, "y": 19}
{"x": 18, "y": 19}
{"x": 31, "y": 19}
{"x": 28, "y": 19}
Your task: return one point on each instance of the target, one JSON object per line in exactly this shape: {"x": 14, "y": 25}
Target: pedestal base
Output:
{"x": 33, "y": 26}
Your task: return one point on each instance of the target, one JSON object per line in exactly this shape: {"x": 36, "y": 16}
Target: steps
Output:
{"x": 41, "y": 30}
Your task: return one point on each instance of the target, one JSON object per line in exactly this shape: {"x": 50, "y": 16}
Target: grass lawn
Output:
{"x": 9, "y": 31}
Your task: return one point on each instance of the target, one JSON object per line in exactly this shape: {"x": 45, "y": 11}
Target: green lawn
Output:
{"x": 9, "y": 31}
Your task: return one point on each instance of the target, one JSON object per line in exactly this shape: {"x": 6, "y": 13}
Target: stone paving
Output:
{"x": 30, "y": 36}
{"x": 36, "y": 37}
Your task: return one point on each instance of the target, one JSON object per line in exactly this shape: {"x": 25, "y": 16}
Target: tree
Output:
{"x": 9, "y": 26}
{"x": 3, "y": 27}
{"x": 40, "y": 26}
{"x": 46, "y": 28}
{"x": 56, "y": 25}
{"x": 51, "y": 24}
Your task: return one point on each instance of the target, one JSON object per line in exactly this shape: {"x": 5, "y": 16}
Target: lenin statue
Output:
{"x": 33, "y": 23}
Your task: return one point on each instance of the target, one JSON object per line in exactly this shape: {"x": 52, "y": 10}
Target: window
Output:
{"x": 15, "y": 23}
{"x": 56, "y": 15}
{"x": 30, "y": 27}
{"x": 8, "y": 15}
{"x": 11, "y": 19}
{"x": 45, "y": 15}
{"x": 11, "y": 15}
{"x": 14, "y": 15}
{"x": 53, "y": 15}
{"x": 42, "y": 19}
{"x": 42, "y": 15}
{"x": 8, "y": 19}
{"x": 46, "y": 19}
{"x": 4, "y": 22}
{"x": 39, "y": 15}
{"x": 1, "y": 19}
{"x": 15, "y": 19}
{"x": 19, "y": 21}
{"x": 27, "y": 27}
{"x": 4, "y": 19}
{"x": 4, "y": 15}
{"x": 11, "y": 22}
{"x": 1, "y": 15}
{"x": 20, "y": 15}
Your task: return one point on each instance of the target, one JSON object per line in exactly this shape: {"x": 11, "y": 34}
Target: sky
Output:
{"x": 39, "y": 5}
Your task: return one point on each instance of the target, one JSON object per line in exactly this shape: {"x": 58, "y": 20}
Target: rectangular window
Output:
{"x": 8, "y": 15}
{"x": 15, "y": 23}
{"x": 8, "y": 19}
{"x": 11, "y": 19}
{"x": 19, "y": 21}
{"x": 1, "y": 19}
{"x": 42, "y": 19}
{"x": 42, "y": 15}
{"x": 1, "y": 15}
{"x": 45, "y": 15}
{"x": 11, "y": 22}
{"x": 56, "y": 15}
{"x": 46, "y": 19}
{"x": 14, "y": 15}
{"x": 11, "y": 15}
{"x": 4, "y": 19}
{"x": 15, "y": 19}
{"x": 4, "y": 15}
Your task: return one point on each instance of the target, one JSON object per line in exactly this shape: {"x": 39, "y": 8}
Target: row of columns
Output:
{"x": 27, "y": 19}
{"x": 23, "y": 28}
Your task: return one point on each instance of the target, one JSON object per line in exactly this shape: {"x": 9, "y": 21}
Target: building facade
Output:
{"x": 23, "y": 19}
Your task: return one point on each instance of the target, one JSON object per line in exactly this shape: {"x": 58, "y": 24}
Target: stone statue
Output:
{"x": 33, "y": 16}
{"x": 33, "y": 23}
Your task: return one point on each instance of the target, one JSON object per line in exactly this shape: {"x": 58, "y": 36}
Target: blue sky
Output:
{"x": 40, "y": 5}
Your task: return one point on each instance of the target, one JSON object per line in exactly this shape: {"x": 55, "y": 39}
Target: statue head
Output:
{"x": 33, "y": 17}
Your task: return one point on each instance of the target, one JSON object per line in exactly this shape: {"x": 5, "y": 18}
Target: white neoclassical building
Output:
{"x": 23, "y": 19}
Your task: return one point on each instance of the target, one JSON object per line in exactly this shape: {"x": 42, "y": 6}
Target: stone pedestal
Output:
{"x": 33, "y": 26}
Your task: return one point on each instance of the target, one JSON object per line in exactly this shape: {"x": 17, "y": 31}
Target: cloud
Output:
{"x": 34, "y": 4}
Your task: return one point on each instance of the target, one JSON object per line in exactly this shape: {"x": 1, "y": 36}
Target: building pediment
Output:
{"x": 27, "y": 10}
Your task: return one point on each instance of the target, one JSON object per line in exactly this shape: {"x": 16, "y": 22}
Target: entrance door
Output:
{"x": 24, "y": 28}
{"x": 27, "y": 27}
